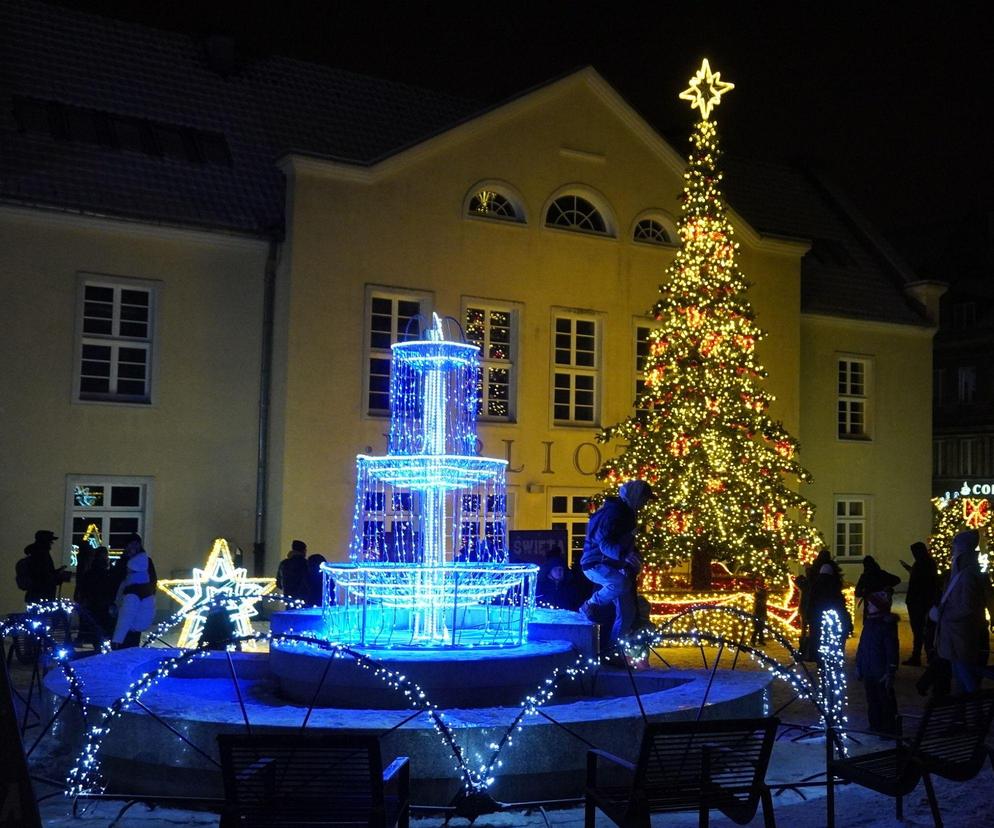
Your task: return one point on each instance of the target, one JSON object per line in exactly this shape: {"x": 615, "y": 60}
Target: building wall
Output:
{"x": 405, "y": 226}
{"x": 197, "y": 441}
{"x": 892, "y": 469}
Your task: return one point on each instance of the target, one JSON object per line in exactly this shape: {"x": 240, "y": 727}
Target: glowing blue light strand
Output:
{"x": 85, "y": 776}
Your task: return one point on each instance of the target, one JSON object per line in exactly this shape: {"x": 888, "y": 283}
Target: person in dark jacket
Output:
{"x": 315, "y": 580}
{"x": 826, "y": 594}
{"x": 292, "y": 575}
{"x": 37, "y": 572}
{"x": 873, "y": 579}
{"x": 876, "y": 661}
{"x": 609, "y": 558}
{"x": 96, "y": 590}
{"x": 922, "y": 593}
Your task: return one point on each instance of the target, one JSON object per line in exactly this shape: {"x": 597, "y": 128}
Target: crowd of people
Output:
{"x": 117, "y": 600}
{"x": 948, "y": 615}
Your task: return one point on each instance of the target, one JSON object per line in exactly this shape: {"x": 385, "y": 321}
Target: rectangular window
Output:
{"x": 493, "y": 328}
{"x": 105, "y": 511}
{"x": 966, "y": 384}
{"x": 850, "y": 526}
{"x": 575, "y": 361}
{"x": 853, "y": 399}
{"x": 116, "y": 322}
{"x": 570, "y": 513}
{"x": 390, "y": 317}
{"x": 642, "y": 344}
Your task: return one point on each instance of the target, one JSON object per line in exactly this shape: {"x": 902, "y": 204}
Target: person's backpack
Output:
{"x": 23, "y": 574}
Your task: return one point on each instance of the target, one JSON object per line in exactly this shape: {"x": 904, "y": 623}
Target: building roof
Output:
{"x": 117, "y": 118}
{"x": 130, "y": 76}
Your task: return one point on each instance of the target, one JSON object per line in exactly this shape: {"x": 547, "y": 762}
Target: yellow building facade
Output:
{"x": 139, "y": 394}
{"x": 404, "y": 230}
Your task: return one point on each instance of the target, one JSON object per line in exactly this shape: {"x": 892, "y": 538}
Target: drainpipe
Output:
{"x": 265, "y": 377}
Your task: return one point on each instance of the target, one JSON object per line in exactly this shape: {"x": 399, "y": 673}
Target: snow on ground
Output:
{"x": 963, "y": 805}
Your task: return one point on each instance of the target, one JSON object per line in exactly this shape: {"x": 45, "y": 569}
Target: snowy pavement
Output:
{"x": 963, "y": 805}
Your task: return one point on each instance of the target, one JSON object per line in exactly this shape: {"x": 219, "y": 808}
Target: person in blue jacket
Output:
{"x": 609, "y": 557}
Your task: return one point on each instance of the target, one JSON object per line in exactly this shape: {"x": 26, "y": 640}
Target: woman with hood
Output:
{"x": 609, "y": 559}
{"x": 961, "y": 624}
{"x": 136, "y": 596}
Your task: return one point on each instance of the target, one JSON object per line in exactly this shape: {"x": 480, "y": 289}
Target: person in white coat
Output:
{"x": 961, "y": 616}
{"x": 136, "y": 596}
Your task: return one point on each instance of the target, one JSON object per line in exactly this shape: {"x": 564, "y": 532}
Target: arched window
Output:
{"x": 651, "y": 231}
{"x": 574, "y": 212}
{"x": 494, "y": 200}
{"x": 654, "y": 226}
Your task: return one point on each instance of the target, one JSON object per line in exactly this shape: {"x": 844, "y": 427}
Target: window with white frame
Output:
{"x": 116, "y": 328}
{"x": 642, "y": 347}
{"x": 488, "y": 203}
{"x": 966, "y": 384}
{"x": 651, "y": 231}
{"x": 390, "y": 317}
{"x": 574, "y": 212}
{"x": 850, "y": 526}
{"x": 493, "y": 328}
{"x": 575, "y": 369}
{"x": 853, "y": 398}
{"x": 105, "y": 511}
{"x": 570, "y": 513}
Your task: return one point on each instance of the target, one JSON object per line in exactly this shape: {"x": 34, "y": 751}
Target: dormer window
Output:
{"x": 574, "y": 212}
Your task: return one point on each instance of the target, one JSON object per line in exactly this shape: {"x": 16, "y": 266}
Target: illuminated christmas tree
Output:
{"x": 701, "y": 435}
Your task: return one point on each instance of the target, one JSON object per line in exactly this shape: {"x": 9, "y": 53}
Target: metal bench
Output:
{"x": 950, "y": 742}
{"x": 686, "y": 766}
{"x": 291, "y": 780}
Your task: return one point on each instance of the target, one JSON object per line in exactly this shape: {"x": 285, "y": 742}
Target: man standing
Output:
{"x": 36, "y": 572}
{"x": 922, "y": 592}
{"x": 609, "y": 557}
{"x": 292, "y": 576}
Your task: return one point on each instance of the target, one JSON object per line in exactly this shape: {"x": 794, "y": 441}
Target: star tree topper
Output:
{"x": 219, "y": 577}
{"x": 705, "y": 90}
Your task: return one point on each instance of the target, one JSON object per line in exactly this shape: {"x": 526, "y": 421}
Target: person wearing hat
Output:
{"x": 923, "y": 579}
{"x": 961, "y": 634}
{"x": 826, "y": 594}
{"x": 293, "y": 576}
{"x": 609, "y": 558}
{"x": 36, "y": 573}
{"x": 876, "y": 660}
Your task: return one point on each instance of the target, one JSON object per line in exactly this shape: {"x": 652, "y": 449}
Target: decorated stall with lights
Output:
{"x": 955, "y": 512}
{"x": 439, "y": 575}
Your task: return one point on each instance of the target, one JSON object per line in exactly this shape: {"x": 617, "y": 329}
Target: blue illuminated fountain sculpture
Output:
{"x": 428, "y": 560}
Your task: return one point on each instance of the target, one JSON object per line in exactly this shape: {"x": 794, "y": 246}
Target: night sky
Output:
{"x": 888, "y": 103}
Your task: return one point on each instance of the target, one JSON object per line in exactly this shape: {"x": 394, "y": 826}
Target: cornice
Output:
{"x": 137, "y": 227}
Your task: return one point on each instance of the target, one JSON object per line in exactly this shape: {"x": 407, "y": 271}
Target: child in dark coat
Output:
{"x": 876, "y": 661}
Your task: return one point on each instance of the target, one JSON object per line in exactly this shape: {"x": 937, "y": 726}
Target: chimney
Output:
{"x": 927, "y": 294}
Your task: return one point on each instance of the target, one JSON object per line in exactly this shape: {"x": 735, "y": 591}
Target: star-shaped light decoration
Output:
{"x": 705, "y": 90}
{"x": 219, "y": 577}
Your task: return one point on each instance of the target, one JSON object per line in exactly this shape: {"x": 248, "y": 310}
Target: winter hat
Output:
{"x": 636, "y": 493}
{"x": 298, "y": 546}
{"x": 918, "y": 549}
